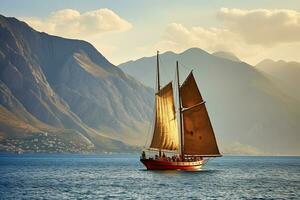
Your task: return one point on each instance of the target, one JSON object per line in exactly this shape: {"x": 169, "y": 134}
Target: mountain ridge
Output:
{"x": 226, "y": 55}
{"x": 245, "y": 105}
{"x": 71, "y": 90}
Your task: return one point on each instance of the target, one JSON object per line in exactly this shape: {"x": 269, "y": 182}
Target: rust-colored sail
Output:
{"x": 165, "y": 134}
{"x": 199, "y": 138}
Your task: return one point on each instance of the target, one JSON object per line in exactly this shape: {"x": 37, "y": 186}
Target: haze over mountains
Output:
{"x": 249, "y": 112}
{"x": 59, "y": 94}
{"x": 285, "y": 75}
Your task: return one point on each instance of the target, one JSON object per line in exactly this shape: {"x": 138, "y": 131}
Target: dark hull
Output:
{"x": 170, "y": 165}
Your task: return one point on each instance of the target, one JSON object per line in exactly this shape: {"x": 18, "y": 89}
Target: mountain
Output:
{"x": 226, "y": 55}
{"x": 249, "y": 113}
{"x": 286, "y": 75}
{"x": 59, "y": 94}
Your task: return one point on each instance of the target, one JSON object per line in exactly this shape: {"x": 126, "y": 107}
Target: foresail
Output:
{"x": 165, "y": 133}
{"x": 199, "y": 138}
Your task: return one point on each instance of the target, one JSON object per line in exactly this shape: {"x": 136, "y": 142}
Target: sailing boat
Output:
{"x": 193, "y": 141}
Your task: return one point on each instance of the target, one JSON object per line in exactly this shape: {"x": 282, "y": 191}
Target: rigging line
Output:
{"x": 150, "y": 128}
{"x": 175, "y": 98}
{"x": 176, "y": 105}
{"x": 190, "y": 69}
{"x": 152, "y": 121}
{"x": 178, "y": 113}
{"x": 162, "y": 70}
{"x": 187, "y": 68}
{"x": 160, "y": 100}
{"x": 175, "y": 93}
{"x": 148, "y": 133}
{"x": 165, "y": 70}
{"x": 156, "y": 79}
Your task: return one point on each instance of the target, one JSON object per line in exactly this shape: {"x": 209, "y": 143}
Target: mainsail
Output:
{"x": 199, "y": 137}
{"x": 165, "y": 133}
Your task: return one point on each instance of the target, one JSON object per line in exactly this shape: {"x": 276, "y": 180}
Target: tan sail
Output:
{"x": 165, "y": 134}
{"x": 199, "y": 138}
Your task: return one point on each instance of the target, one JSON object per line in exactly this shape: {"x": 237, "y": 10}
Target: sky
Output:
{"x": 123, "y": 30}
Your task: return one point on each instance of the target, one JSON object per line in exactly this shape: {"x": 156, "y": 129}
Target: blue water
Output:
{"x": 36, "y": 176}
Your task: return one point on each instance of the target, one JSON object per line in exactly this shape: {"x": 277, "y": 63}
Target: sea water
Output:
{"x": 51, "y": 176}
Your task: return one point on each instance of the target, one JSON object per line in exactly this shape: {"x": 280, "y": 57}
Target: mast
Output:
{"x": 180, "y": 113}
{"x": 157, "y": 69}
{"x": 158, "y": 82}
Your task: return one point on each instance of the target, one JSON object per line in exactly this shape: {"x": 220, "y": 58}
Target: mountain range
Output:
{"x": 254, "y": 110}
{"x": 63, "y": 95}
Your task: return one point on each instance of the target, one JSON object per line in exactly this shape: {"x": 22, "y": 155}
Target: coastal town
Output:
{"x": 41, "y": 143}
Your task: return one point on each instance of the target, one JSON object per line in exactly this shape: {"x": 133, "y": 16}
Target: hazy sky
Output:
{"x": 124, "y": 30}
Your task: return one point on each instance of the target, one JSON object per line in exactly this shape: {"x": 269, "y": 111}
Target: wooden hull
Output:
{"x": 170, "y": 165}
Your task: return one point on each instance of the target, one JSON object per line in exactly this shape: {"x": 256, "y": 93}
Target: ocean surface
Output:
{"x": 54, "y": 176}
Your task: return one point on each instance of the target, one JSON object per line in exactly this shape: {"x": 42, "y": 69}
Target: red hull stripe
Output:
{"x": 168, "y": 165}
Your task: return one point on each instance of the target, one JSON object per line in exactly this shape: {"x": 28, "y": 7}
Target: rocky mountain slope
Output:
{"x": 63, "y": 94}
{"x": 250, "y": 114}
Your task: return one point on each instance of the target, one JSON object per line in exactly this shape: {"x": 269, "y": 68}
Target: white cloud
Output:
{"x": 262, "y": 26}
{"x": 177, "y": 38}
{"x": 249, "y": 34}
{"x": 71, "y": 23}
